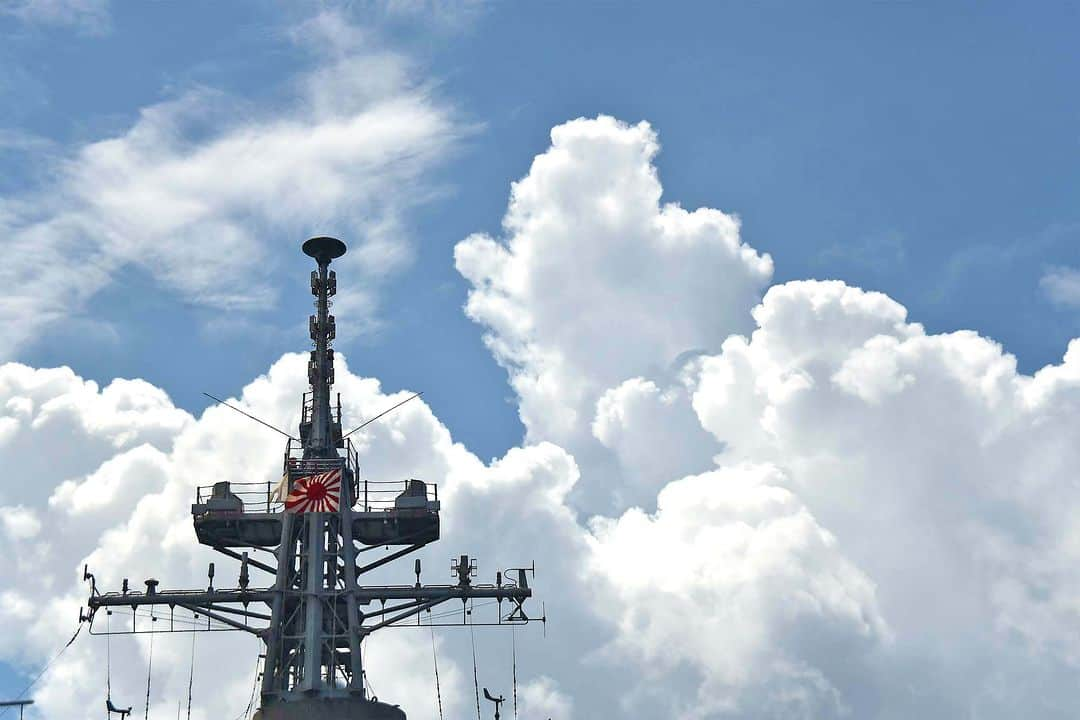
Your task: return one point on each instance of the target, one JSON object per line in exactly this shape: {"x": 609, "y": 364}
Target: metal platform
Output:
{"x": 387, "y": 527}
{"x": 331, "y": 709}
{"x": 249, "y": 514}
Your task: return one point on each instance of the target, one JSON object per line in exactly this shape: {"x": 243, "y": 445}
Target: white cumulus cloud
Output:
{"x": 596, "y": 281}
{"x": 19, "y": 522}
{"x": 931, "y": 481}
{"x": 733, "y": 577}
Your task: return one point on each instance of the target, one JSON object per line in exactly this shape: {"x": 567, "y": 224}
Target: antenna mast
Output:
{"x": 317, "y": 613}
{"x": 321, "y": 440}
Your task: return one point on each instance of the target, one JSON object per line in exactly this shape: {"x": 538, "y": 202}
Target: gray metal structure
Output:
{"x": 317, "y": 614}
{"x": 21, "y": 704}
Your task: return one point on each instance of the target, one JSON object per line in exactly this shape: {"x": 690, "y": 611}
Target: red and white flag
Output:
{"x": 315, "y": 493}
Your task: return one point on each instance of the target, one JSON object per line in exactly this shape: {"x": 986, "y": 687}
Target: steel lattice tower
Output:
{"x": 319, "y": 613}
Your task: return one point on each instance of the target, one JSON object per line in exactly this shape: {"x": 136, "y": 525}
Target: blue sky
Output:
{"x": 928, "y": 152}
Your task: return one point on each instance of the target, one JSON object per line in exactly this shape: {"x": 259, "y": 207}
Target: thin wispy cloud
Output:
{"x": 87, "y": 16}
{"x": 1062, "y": 286}
{"x": 195, "y": 192}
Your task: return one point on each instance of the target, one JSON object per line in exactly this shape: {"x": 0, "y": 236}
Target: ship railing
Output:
{"x": 395, "y": 495}
{"x": 254, "y": 497}
{"x": 297, "y": 466}
{"x": 307, "y": 408}
{"x": 262, "y": 497}
{"x": 369, "y": 496}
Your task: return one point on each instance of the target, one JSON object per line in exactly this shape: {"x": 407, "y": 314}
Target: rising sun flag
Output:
{"x": 315, "y": 493}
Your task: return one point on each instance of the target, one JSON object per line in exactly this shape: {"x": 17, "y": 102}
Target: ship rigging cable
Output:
{"x": 191, "y": 676}
{"x": 435, "y": 659}
{"x": 108, "y": 663}
{"x": 246, "y": 712}
{"x": 476, "y": 682}
{"x": 513, "y": 655}
{"x": 37, "y": 677}
{"x": 149, "y": 667}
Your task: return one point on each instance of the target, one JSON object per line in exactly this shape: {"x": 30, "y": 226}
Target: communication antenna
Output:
{"x": 364, "y": 424}
{"x": 219, "y": 401}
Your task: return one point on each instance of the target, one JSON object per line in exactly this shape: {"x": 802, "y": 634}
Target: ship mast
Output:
{"x": 321, "y": 440}
{"x": 319, "y": 613}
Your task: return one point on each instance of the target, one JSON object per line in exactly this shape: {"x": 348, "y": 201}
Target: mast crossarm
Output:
{"x": 401, "y": 616}
{"x": 232, "y": 611}
{"x": 179, "y": 597}
{"x": 250, "y": 561}
{"x": 389, "y": 558}
{"x": 442, "y": 592}
{"x": 224, "y": 620}
{"x": 364, "y": 594}
{"x": 391, "y": 609}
